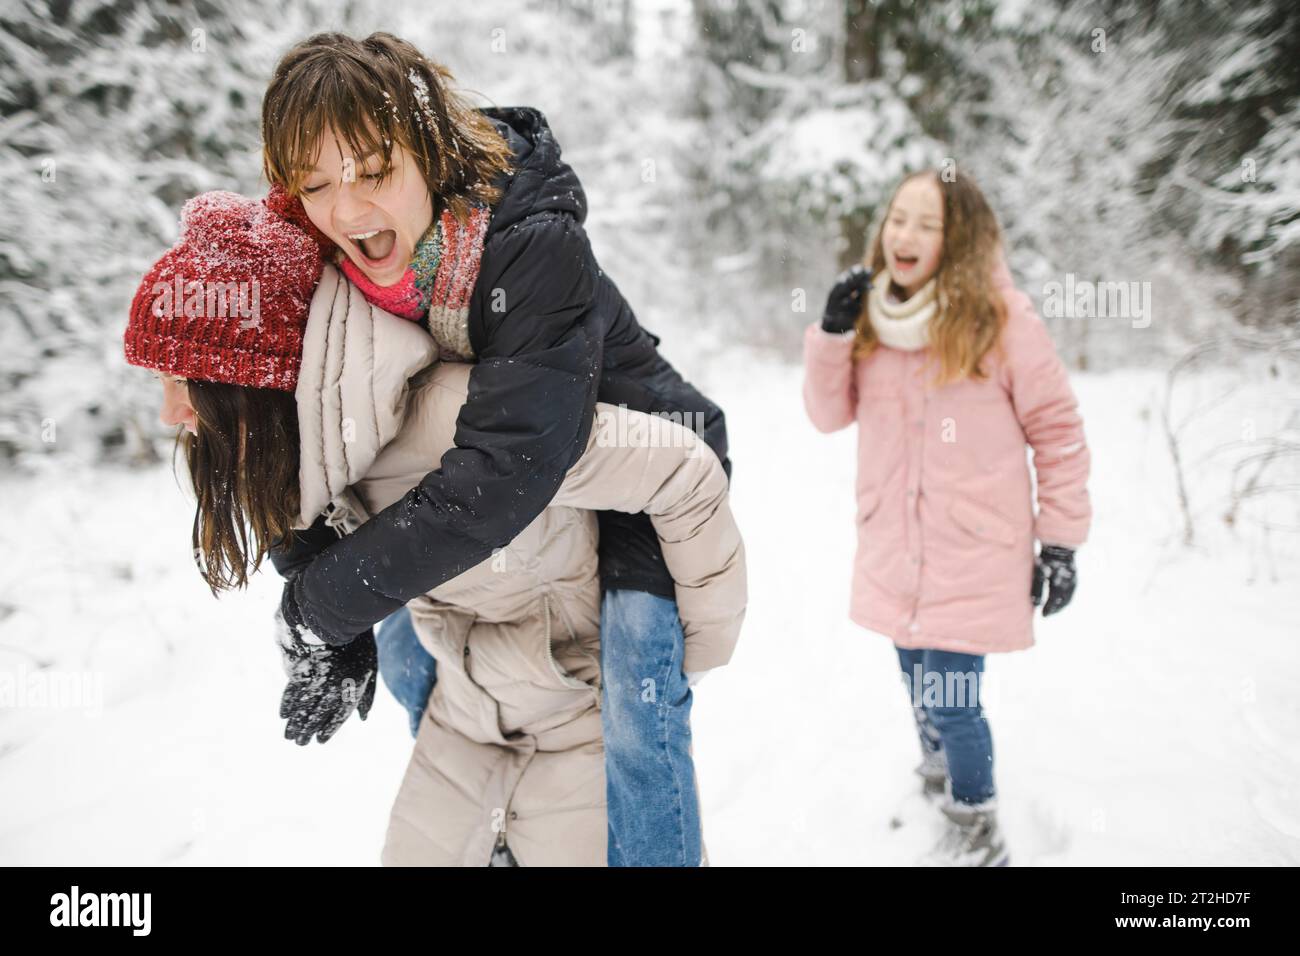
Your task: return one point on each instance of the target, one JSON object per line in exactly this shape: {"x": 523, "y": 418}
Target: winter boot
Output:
{"x": 933, "y": 771}
{"x": 972, "y": 837}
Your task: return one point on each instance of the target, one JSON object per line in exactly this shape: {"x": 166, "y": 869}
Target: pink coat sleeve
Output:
{"x": 830, "y": 395}
{"x": 1048, "y": 412}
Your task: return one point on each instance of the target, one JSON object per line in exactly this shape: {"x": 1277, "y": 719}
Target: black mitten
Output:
{"x": 326, "y": 681}
{"x": 844, "y": 304}
{"x": 1054, "y": 564}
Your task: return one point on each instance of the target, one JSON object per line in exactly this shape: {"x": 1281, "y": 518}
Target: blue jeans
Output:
{"x": 653, "y": 807}
{"x": 945, "y": 689}
{"x": 406, "y": 667}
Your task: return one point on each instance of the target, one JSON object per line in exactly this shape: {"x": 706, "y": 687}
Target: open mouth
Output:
{"x": 904, "y": 263}
{"x": 376, "y": 246}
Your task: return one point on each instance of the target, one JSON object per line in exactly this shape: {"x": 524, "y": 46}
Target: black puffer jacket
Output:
{"x": 566, "y": 339}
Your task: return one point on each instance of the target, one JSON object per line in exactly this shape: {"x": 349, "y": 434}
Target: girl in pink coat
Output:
{"x": 949, "y": 373}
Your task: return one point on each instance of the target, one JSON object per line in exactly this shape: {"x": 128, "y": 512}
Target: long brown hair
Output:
{"x": 377, "y": 92}
{"x": 971, "y": 312}
{"x": 243, "y": 465}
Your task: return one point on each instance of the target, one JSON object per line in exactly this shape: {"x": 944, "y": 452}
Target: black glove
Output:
{"x": 326, "y": 681}
{"x": 1055, "y": 564}
{"x": 844, "y": 304}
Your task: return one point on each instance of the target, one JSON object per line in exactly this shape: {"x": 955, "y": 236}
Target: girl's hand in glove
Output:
{"x": 1055, "y": 564}
{"x": 844, "y": 304}
{"x": 326, "y": 681}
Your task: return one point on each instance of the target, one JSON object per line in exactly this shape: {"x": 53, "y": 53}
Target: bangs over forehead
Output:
{"x": 349, "y": 101}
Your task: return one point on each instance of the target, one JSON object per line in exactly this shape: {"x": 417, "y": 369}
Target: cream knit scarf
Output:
{"x": 901, "y": 325}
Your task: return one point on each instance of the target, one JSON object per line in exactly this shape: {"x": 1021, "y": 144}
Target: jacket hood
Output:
{"x": 357, "y": 362}
{"x": 542, "y": 181}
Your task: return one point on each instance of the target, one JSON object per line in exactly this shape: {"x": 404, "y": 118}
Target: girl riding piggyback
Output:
{"x": 949, "y": 373}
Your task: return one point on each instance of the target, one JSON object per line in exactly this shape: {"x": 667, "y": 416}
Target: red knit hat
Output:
{"x": 290, "y": 207}
{"x": 228, "y": 302}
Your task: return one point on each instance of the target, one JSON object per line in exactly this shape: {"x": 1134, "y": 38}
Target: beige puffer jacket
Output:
{"x": 510, "y": 748}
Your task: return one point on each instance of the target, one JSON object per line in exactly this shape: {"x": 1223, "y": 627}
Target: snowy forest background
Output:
{"x": 735, "y": 154}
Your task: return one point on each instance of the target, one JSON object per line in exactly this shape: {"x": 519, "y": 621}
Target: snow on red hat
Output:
{"x": 229, "y": 301}
{"x": 290, "y": 207}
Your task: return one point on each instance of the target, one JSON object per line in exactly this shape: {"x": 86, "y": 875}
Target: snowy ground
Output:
{"x": 1155, "y": 722}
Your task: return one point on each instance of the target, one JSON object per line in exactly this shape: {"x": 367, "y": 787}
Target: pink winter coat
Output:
{"x": 945, "y": 516}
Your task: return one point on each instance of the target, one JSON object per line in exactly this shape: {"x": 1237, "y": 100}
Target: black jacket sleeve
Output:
{"x": 526, "y": 421}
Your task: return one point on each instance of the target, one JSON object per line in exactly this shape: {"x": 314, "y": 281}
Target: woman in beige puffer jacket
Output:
{"x": 509, "y": 752}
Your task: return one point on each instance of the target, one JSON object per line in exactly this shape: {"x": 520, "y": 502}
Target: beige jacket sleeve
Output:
{"x": 637, "y": 462}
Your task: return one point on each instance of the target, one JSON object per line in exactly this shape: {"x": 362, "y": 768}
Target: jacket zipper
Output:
{"x": 501, "y": 836}
{"x": 564, "y": 675}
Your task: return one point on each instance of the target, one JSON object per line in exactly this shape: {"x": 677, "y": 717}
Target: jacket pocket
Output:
{"x": 445, "y": 628}
{"x": 867, "y": 506}
{"x": 567, "y": 679}
{"x": 981, "y": 521}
